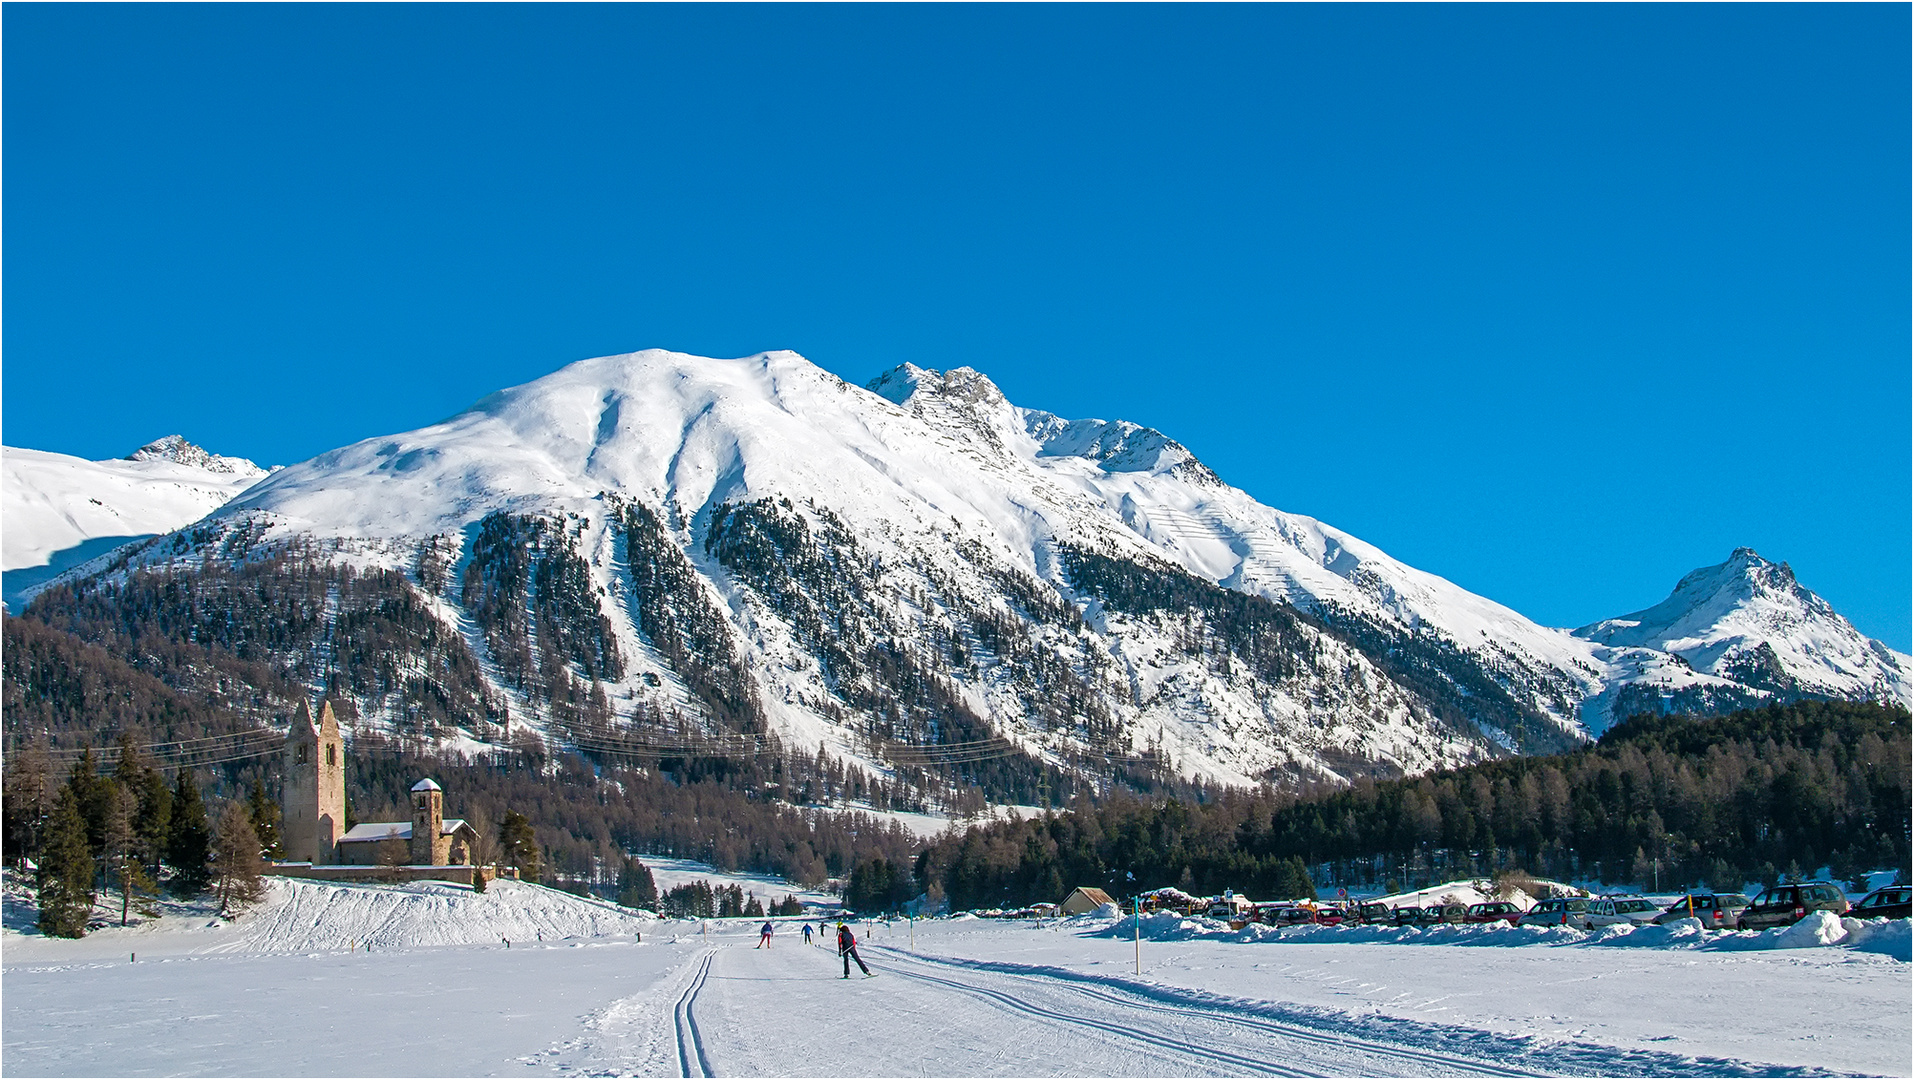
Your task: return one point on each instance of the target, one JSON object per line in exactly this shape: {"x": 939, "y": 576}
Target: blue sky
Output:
{"x": 1559, "y": 302}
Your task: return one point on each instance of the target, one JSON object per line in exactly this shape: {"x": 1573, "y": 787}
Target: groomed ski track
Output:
{"x": 732, "y": 1010}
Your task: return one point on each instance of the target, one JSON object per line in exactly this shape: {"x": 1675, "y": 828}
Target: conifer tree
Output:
{"x": 122, "y": 856}
{"x": 189, "y": 839}
{"x": 264, "y": 813}
{"x": 66, "y": 871}
{"x": 636, "y": 889}
{"x": 153, "y": 821}
{"x": 518, "y": 846}
{"x": 91, "y": 795}
{"x": 29, "y": 793}
{"x": 236, "y": 864}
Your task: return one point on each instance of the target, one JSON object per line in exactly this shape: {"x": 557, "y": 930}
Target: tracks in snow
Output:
{"x": 691, "y": 1056}
{"x": 1378, "y": 1057}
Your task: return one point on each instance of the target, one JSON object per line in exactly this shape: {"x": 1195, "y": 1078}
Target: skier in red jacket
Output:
{"x": 847, "y": 948}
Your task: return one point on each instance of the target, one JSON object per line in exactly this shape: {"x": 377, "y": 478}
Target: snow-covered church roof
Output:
{"x": 367, "y": 831}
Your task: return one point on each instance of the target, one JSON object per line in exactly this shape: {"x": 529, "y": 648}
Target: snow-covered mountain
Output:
{"x": 1740, "y": 633}
{"x": 922, "y": 575}
{"x": 58, "y": 511}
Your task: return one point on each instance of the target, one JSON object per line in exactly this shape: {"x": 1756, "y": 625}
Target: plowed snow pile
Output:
{"x": 305, "y": 916}
{"x": 1819, "y": 929}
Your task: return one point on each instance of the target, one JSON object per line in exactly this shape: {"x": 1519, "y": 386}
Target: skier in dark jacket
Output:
{"x": 764, "y": 937}
{"x": 807, "y": 933}
{"x": 847, "y": 948}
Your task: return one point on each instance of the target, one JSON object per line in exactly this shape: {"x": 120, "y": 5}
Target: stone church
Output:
{"x": 312, "y": 809}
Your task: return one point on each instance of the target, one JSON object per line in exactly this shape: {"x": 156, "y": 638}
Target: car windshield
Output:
{"x": 1734, "y": 900}
{"x": 1577, "y": 905}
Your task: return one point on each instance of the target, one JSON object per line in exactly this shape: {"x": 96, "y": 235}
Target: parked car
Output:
{"x": 1558, "y": 911}
{"x": 1331, "y": 916}
{"x": 1229, "y": 907}
{"x": 1494, "y": 911}
{"x": 1288, "y": 915}
{"x": 1408, "y": 916}
{"x": 1449, "y": 913}
{"x": 1888, "y": 903}
{"x": 1785, "y": 905}
{"x": 1622, "y": 911}
{"x": 1717, "y": 911}
{"x": 1372, "y": 913}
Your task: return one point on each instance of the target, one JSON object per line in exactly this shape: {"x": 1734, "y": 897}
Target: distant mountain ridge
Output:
{"x": 58, "y": 512}
{"x": 920, "y": 574}
{"x": 176, "y": 449}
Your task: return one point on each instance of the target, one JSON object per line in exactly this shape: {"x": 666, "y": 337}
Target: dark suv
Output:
{"x": 1888, "y": 903}
{"x": 1785, "y": 905}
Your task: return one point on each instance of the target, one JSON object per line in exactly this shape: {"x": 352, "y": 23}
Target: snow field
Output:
{"x": 267, "y": 994}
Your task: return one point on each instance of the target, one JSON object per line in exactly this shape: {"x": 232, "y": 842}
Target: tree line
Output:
{"x": 1660, "y": 800}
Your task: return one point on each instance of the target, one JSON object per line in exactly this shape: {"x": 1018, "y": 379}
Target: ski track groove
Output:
{"x": 684, "y": 1021}
{"x": 1249, "y": 1065}
{"x": 1450, "y": 1064}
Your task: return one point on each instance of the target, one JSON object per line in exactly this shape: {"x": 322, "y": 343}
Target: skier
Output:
{"x": 807, "y": 933}
{"x": 764, "y": 937}
{"x": 847, "y": 948}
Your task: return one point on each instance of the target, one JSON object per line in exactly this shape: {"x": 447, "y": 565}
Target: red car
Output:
{"x": 1495, "y": 911}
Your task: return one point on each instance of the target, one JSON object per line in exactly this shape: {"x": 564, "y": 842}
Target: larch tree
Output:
{"x": 236, "y": 863}
{"x": 122, "y": 854}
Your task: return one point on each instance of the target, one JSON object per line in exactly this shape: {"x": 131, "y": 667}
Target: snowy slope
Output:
{"x": 927, "y": 510}
{"x": 58, "y": 511}
{"x": 1749, "y": 622}
{"x": 953, "y": 480}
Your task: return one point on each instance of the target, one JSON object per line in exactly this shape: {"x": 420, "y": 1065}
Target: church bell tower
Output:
{"x": 312, "y": 800}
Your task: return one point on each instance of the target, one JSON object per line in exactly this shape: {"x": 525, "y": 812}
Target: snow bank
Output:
{"x": 1890, "y": 937}
{"x": 306, "y": 916}
{"x": 1821, "y": 929}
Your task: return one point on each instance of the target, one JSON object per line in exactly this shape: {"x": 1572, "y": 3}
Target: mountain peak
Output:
{"x": 962, "y": 385}
{"x": 176, "y": 449}
{"x": 1750, "y": 616}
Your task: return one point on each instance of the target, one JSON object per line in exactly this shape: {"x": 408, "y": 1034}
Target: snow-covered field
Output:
{"x": 290, "y": 989}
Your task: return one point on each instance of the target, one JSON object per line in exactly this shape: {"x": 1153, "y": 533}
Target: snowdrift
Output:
{"x": 307, "y": 916}
{"x": 1893, "y": 938}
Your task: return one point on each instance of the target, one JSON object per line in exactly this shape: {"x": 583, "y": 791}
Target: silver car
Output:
{"x": 1622, "y": 911}
{"x": 1559, "y": 911}
{"x": 1717, "y": 911}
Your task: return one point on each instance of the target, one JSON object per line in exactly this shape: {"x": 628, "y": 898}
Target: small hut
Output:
{"x": 1084, "y": 899}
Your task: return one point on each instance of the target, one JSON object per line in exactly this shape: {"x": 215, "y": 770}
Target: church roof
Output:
{"x": 368, "y": 831}
{"x": 377, "y": 830}
{"x": 425, "y": 785}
